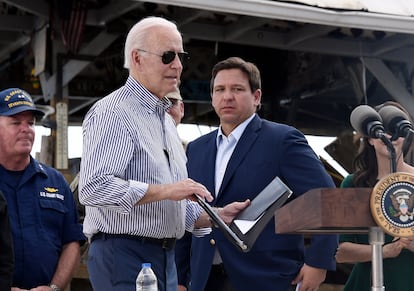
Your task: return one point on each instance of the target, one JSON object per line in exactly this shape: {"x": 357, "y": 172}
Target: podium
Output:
{"x": 326, "y": 210}
{"x": 335, "y": 211}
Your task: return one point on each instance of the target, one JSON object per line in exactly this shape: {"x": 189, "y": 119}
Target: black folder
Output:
{"x": 251, "y": 221}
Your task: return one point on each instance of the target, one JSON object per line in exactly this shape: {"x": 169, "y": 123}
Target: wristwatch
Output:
{"x": 54, "y": 287}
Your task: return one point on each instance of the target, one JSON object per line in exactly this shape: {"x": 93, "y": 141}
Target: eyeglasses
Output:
{"x": 169, "y": 56}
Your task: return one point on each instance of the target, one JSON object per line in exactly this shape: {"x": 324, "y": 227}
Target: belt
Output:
{"x": 165, "y": 243}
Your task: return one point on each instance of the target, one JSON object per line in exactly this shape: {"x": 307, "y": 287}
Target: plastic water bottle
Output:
{"x": 146, "y": 279}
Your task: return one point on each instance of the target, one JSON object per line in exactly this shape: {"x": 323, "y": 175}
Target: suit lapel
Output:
{"x": 210, "y": 163}
{"x": 243, "y": 146}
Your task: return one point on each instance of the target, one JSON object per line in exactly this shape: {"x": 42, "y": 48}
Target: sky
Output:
{"x": 187, "y": 132}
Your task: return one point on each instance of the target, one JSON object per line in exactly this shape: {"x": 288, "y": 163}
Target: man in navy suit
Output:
{"x": 236, "y": 162}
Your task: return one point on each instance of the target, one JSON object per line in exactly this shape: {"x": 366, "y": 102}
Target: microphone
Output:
{"x": 365, "y": 120}
{"x": 396, "y": 121}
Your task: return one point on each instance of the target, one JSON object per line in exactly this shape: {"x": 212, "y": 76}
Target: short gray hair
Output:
{"x": 138, "y": 34}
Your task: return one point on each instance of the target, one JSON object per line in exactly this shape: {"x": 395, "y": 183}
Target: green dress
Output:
{"x": 398, "y": 273}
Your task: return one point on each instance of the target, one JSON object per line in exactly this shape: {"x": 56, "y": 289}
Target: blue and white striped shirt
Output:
{"x": 130, "y": 142}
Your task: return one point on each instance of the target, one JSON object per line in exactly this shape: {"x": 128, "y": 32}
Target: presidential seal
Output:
{"x": 392, "y": 204}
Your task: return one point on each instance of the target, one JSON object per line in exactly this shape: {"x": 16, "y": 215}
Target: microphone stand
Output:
{"x": 391, "y": 151}
{"x": 376, "y": 234}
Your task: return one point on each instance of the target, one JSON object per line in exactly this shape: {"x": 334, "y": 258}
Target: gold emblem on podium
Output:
{"x": 392, "y": 204}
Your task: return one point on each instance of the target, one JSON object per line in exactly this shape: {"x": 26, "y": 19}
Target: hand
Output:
{"x": 311, "y": 278}
{"x": 407, "y": 242}
{"x": 410, "y": 246}
{"x": 38, "y": 288}
{"x": 190, "y": 187}
{"x": 182, "y": 288}
{"x": 394, "y": 248}
{"x": 184, "y": 189}
{"x": 41, "y": 288}
{"x": 229, "y": 212}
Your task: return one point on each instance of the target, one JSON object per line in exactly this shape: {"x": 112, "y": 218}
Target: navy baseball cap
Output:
{"x": 15, "y": 100}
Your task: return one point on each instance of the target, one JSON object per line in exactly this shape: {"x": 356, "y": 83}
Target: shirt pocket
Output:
{"x": 52, "y": 215}
{"x": 48, "y": 204}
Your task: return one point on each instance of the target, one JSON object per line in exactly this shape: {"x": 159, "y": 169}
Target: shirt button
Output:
{"x": 212, "y": 242}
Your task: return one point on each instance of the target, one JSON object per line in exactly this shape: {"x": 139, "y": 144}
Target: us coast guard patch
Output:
{"x": 392, "y": 204}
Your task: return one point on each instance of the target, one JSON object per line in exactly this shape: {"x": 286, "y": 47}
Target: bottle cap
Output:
{"x": 146, "y": 265}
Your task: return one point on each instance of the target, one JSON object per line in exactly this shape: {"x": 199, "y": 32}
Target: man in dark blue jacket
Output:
{"x": 42, "y": 209}
{"x": 236, "y": 162}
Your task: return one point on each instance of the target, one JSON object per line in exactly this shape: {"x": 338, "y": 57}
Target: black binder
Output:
{"x": 251, "y": 221}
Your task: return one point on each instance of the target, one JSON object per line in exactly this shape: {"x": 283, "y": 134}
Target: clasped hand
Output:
{"x": 39, "y": 288}
{"x": 393, "y": 249}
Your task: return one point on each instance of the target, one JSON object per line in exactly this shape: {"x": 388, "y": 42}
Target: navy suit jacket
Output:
{"x": 265, "y": 150}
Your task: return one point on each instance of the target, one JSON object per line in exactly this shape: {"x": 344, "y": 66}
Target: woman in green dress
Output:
{"x": 371, "y": 164}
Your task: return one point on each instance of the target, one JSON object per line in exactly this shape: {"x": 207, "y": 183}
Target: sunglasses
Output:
{"x": 169, "y": 56}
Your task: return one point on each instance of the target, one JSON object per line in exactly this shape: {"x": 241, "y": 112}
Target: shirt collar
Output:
{"x": 236, "y": 133}
{"x": 145, "y": 97}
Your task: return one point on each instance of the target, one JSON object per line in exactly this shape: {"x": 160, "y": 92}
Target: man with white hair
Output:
{"x": 133, "y": 177}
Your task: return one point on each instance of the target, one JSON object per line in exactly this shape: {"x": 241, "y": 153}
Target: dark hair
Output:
{"x": 365, "y": 162}
{"x": 365, "y": 165}
{"x": 250, "y": 69}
